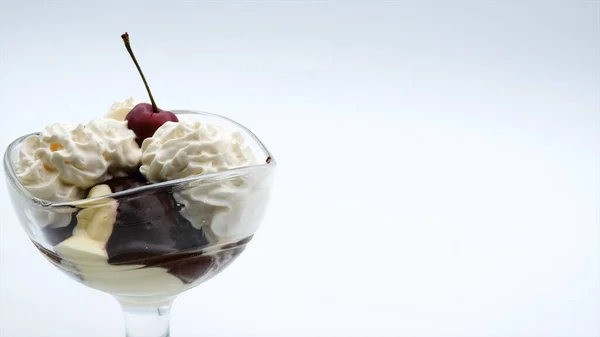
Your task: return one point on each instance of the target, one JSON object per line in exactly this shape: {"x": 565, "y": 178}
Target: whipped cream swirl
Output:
{"x": 40, "y": 181}
{"x": 186, "y": 148}
{"x": 65, "y": 159}
{"x": 74, "y": 152}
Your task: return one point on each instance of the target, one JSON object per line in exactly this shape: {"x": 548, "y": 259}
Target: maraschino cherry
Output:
{"x": 144, "y": 119}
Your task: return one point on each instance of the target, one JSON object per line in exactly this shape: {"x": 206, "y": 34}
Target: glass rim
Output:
{"x": 10, "y": 173}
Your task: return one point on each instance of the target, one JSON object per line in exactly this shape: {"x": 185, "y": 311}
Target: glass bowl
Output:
{"x": 166, "y": 237}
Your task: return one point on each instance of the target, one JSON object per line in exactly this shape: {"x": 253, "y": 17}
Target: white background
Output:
{"x": 439, "y": 162}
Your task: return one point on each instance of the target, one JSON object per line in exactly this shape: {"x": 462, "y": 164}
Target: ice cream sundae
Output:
{"x": 110, "y": 227}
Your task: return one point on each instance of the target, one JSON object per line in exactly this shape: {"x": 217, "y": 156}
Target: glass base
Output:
{"x": 147, "y": 321}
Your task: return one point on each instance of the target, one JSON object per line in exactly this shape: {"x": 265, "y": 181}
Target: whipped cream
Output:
{"x": 38, "y": 179}
{"x": 74, "y": 152}
{"x": 65, "y": 159}
{"x": 229, "y": 209}
{"x": 118, "y": 143}
{"x": 44, "y": 183}
{"x": 119, "y": 110}
{"x": 187, "y": 148}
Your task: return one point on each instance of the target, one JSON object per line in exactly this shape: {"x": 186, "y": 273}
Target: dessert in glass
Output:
{"x": 143, "y": 203}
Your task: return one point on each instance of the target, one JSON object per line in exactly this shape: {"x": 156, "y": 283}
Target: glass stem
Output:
{"x": 147, "y": 321}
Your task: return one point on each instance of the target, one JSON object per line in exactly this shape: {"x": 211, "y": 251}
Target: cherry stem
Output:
{"x": 125, "y": 38}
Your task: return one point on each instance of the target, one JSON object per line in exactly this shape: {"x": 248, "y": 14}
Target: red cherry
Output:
{"x": 144, "y": 121}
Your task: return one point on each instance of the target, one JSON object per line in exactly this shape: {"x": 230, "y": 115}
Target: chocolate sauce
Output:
{"x": 149, "y": 230}
{"x": 148, "y": 225}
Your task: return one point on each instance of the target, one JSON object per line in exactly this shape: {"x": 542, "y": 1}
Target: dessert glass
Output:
{"x": 145, "y": 285}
